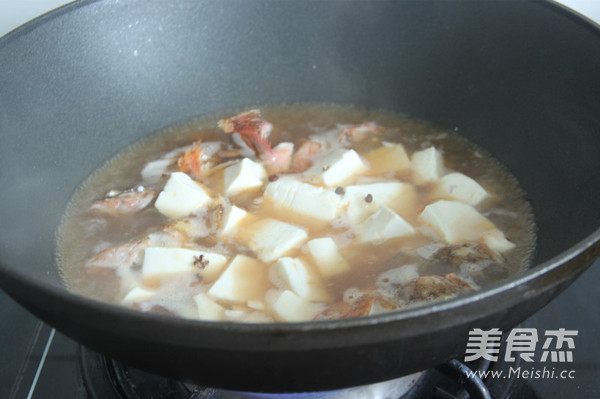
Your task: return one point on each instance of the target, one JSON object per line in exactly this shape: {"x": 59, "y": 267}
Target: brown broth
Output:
{"x": 82, "y": 235}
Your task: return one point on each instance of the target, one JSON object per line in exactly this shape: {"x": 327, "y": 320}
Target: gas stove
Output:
{"x": 39, "y": 362}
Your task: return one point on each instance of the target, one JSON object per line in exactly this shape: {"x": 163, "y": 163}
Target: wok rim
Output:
{"x": 62, "y": 294}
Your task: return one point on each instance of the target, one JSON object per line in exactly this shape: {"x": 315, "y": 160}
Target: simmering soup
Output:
{"x": 294, "y": 213}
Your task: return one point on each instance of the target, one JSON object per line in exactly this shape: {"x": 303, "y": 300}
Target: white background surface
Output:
{"x": 14, "y": 13}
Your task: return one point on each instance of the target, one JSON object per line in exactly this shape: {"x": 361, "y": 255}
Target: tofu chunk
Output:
{"x": 337, "y": 167}
{"x": 208, "y": 309}
{"x": 137, "y": 294}
{"x": 298, "y": 277}
{"x": 304, "y": 199}
{"x": 236, "y": 314}
{"x": 154, "y": 170}
{"x": 244, "y": 175}
{"x": 271, "y": 239}
{"x": 400, "y": 197}
{"x": 459, "y": 187}
{"x": 384, "y": 225}
{"x": 256, "y": 305}
{"x": 231, "y": 218}
{"x": 390, "y": 157}
{"x": 256, "y": 317}
{"x": 244, "y": 280}
{"x": 287, "y": 306}
{"x": 159, "y": 261}
{"x": 327, "y": 257}
{"x": 181, "y": 196}
{"x": 427, "y": 165}
{"x": 456, "y": 222}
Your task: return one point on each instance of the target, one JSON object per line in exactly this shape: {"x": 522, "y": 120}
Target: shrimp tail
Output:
{"x": 303, "y": 158}
{"x": 252, "y": 129}
{"x": 126, "y": 202}
{"x": 255, "y": 131}
{"x": 191, "y": 161}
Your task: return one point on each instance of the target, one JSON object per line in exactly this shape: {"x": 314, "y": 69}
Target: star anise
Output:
{"x": 200, "y": 262}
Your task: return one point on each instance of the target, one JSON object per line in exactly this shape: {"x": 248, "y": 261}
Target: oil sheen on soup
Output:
{"x": 294, "y": 213}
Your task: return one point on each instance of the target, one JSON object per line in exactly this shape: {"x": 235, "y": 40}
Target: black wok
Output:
{"x": 521, "y": 79}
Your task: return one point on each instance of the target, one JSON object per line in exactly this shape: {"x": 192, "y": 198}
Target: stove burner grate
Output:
{"x": 105, "y": 378}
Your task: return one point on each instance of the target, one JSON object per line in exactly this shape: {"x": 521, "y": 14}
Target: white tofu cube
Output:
{"x": 244, "y": 175}
{"x": 256, "y": 305}
{"x": 427, "y": 165}
{"x": 153, "y": 171}
{"x": 257, "y": 317}
{"x": 384, "y": 225}
{"x": 235, "y": 314}
{"x": 459, "y": 187}
{"x": 304, "y": 199}
{"x": 208, "y": 309}
{"x": 287, "y": 306}
{"x": 136, "y": 295}
{"x": 231, "y": 218}
{"x": 390, "y": 157}
{"x": 160, "y": 261}
{"x": 244, "y": 280}
{"x": 271, "y": 239}
{"x": 298, "y": 277}
{"x": 496, "y": 240}
{"x": 400, "y": 197}
{"x": 181, "y": 196}
{"x": 337, "y": 166}
{"x": 327, "y": 257}
{"x": 456, "y": 222}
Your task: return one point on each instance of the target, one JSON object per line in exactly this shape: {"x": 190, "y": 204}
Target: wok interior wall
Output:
{"x": 83, "y": 84}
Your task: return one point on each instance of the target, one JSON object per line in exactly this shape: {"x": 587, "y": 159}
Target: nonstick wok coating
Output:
{"x": 518, "y": 78}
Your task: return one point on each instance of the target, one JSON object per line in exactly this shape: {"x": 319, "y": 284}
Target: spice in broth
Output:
{"x": 295, "y": 213}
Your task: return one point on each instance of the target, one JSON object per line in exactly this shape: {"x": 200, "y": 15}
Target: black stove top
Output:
{"x": 38, "y": 362}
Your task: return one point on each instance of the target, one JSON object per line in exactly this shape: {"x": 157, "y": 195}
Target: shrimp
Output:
{"x": 365, "y": 305}
{"x": 252, "y": 129}
{"x": 177, "y": 234}
{"x": 191, "y": 161}
{"x": 467, "y": 252}
{"x": 424, "y": 288}
{"x": 356, "y": 133}
{"x": 435, "y": 287}
{"x": 124, "y": 202}
{"x": 280, "y": 158}
{"x": 124, "y": 255}
{"x": 255, "y": 131}
{"x": 203, "y": 158}
{"x": 304, "y": 157}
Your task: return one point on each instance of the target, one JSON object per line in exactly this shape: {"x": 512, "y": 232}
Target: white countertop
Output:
{"x": 14, "y": 13}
